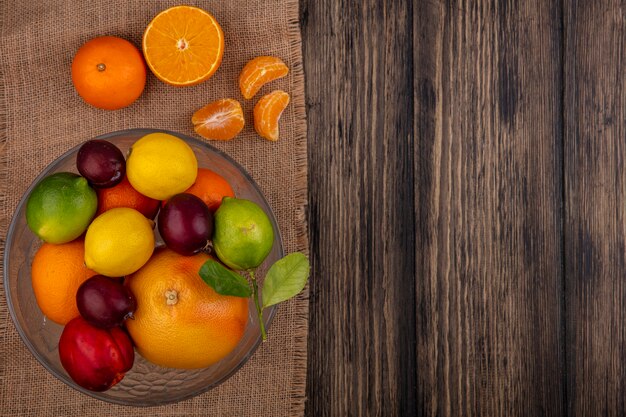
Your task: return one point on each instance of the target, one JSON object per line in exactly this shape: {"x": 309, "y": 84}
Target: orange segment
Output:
{"x": 258, "y": 72}
{"x": 267, "y": 112}
{"x": 183, "y": 45}
{"x": 219, "y": 120}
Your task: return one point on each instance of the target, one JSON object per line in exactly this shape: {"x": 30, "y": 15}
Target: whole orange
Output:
{"x": 109, "y": 72}
{"x": 124, "y": 195}
{"x": 56, "y": 273}
{"x": 211, "y": 188}
{"x": 180, "y": 321}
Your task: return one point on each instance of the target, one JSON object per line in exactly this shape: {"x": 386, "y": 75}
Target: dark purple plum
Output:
{"x": 105, "y": 302}
{"x": 101, "y": 162}
{"x": 185, "y": 224}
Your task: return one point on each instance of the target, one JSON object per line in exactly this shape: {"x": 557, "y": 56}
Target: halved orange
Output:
{"x": 258, "y": 72}
{"x": 183, "y": 45}
{"x": 219, "y": 120}
{"x": 267, "y": 113}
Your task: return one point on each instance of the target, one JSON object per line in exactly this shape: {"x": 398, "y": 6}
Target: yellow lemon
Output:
{"x": 161, "y": 165}
{"x": 118, "y": 242}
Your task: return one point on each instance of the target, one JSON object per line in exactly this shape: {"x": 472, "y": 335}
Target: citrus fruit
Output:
{"x": 180, "y": 321}
{"x": 258, "y": 72}
{"x": 183, "y": 45}
{"x": 56, "y": 273}
{"x": 211, "y": 188}
{"x": 219, "y": 120}
{"x": 243, "y": 234}
{"x": 108, "y": 72}
{"x": 60, "y": 207}
{"x": 160, "y": 165}
{"x": 124, "y": 195}
{"x": 267, "y": 113}
{"x": 118, "y": 242}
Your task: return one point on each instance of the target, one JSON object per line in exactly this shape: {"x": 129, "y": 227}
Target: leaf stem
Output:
{"x": 255, "y": 294}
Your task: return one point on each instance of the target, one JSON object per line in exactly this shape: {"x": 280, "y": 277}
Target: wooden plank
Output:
{"x": 359, "y": 80}
{"x": 489, "y": 204}
{"x": 595, "y": 186}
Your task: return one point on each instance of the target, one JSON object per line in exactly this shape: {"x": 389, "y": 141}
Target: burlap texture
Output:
{"x": 41, "y": 117}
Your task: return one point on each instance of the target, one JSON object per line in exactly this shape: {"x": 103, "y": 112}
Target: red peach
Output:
{"x": 95, "y": 358}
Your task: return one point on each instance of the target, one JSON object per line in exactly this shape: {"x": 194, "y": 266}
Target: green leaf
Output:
{"x": 223, "y": 280}
{"x": 285, "y": 279}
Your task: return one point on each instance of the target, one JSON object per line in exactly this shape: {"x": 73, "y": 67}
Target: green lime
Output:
{"x": 60, "y": 207}
{"x": 243, "y": 235}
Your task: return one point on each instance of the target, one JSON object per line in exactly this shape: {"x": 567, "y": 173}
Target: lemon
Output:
{"x": 118, "y": 242}
{"x": 243, "y": 234}
{"x": 60, "y": 207}
{"x": 160, "y": 165}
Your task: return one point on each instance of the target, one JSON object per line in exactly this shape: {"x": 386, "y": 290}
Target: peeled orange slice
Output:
{"x": 267, "y": 113}
{"x": 219, "y": 120}
{"x": 183, "y": 45}
{"x": 258, "y": 72}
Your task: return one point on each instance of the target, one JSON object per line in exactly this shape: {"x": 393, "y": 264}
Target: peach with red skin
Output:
{"x": 96, "y": 359}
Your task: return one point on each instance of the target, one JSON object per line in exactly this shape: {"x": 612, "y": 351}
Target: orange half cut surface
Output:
{"x": 183, "y": 45}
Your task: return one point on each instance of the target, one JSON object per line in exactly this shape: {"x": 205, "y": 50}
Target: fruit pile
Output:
{"x": 100, "y": 273}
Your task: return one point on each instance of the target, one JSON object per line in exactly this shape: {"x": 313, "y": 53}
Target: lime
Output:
{"x": 243, "y": 234}
{"x": 161, "y": 165}
{"x": 118, "y": 242}
{"x": 60, "y": 207}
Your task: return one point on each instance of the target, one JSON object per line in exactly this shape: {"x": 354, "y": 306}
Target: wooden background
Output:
{"x": 467, "y": 200}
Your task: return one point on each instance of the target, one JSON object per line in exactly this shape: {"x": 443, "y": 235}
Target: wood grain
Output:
{"x": 467, "y": 194}
{"x": 595, "y": 226}
{"x": 488, "y": 200}
{"x": 359, "y": 65}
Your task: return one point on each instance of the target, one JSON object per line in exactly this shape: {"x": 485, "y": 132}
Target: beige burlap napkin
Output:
{"x": 41, "y": 117}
